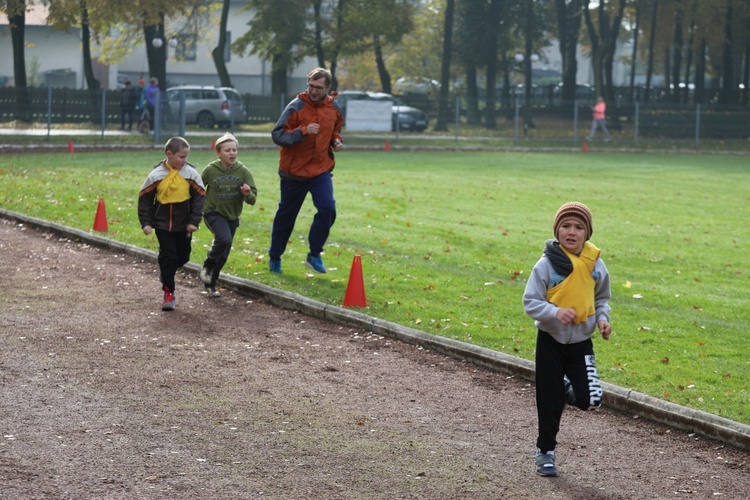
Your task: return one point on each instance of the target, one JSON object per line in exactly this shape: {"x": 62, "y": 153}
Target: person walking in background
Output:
{"x": 151, "y": 93}
{"x": 128, "y": 101}
{"x": 600, "y": 119}
{"x": 229, "y": 185}
{"x": 567, "y": 295}
{"x": 308, "y": 133}
{"x": 171, "y": 204}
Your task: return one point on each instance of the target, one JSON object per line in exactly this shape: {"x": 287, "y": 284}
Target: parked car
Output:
{"x": 404, "y": 117}
{"x": 585, "y": 94}
{"x": 207, "y": 106}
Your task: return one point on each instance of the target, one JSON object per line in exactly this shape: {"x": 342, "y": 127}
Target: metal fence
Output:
{"x": 543, "y": 116}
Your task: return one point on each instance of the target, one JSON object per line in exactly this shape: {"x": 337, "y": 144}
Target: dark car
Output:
{"x": 404, "y": 117}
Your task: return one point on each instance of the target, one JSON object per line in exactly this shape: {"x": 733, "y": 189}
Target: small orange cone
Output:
{"x": 387, "y": 146}
{"x": 100, "y": 221}
{"x": 213, "y": 145}
{"x": 585, "y": 147}
{"x": 355, "y": 289}
{"x": 71, "y": 148}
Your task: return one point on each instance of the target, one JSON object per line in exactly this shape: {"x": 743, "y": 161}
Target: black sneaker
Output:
{"x": 212, "y": 292}
{"x": 545, "y": 464}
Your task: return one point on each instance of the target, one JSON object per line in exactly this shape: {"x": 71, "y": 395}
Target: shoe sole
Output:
{"x": 313, "y": 268}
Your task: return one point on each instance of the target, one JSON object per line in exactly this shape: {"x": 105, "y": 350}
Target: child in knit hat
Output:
{"x": 567, "y": 295}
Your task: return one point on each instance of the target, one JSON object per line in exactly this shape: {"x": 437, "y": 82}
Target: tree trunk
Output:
{"x": 634, "y": 56}
{"x": 157, "y": 56}
{"x": 528, "y": 120}
{"x": 16, "y": 10}
{"x": 726, "y": 96}
{"x": 677, "y": 55}
{"x": 700, "y": 74}
{"x": 472, "y": 95}
{"x": 88, "y": 69}
{"x": 651, "y": 44}
{"x": 445, "y": 71}
{"x": 218, "y": 53}
{"x": 385, "y": 77}
{"x": 568, "y": 27}
{"x": 319, "y": 52}
{"x": 493, "y": 14}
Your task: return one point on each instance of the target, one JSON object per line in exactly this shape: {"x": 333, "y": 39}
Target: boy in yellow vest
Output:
{"x": 170, "y": 203}
{"x": 567, "y": 295}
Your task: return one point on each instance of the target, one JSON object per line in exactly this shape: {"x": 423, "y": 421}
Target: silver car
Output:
{"x": 207, "y": 106}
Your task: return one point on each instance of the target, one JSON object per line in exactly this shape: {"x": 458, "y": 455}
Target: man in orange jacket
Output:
{"x": 308, "y": 133}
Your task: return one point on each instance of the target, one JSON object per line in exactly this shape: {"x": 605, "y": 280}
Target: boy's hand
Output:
{"x": 605, "y": 328}
{"x": 566, "y": 316}
{"x": 191, "y": 228}
{"x": 245, "y": 189}
{"x": 147, "y": 230}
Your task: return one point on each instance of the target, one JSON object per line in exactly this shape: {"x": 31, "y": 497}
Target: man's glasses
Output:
{"x": 315, "y": 87}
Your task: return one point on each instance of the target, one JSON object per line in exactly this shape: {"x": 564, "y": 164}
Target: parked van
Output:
{"x": 207, "y": 106}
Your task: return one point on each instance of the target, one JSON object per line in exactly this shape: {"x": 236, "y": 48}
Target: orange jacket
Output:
{"x": 301, "y": 155}
{"x": 599, "y": 110}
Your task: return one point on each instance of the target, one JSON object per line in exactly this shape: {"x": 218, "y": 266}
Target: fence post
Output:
{"x": 458, "y": 115}
{"x": 575, "y": 121}
{"x": 637, "y": 117}
{"x": 518, "y": 112}
{"x": 49, "y": 112}
{"x": 157, "y": 116}
{"x": 182, "y": 114}
{"x": 697, "y": 125}
{"x": 104, "y": 111}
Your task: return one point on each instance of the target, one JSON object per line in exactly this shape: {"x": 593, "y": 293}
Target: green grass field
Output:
{"x": 447, "y": 240}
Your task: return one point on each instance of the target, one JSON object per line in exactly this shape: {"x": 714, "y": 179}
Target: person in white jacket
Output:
{"x": 567, "y": 295}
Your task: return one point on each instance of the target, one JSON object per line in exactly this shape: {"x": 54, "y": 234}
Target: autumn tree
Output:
{"x": 569, "y": 16}
{"x": 603, "y": 36}
{"x": 277, "y": 31}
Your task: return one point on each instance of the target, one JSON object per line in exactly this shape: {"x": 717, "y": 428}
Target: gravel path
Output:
{"x": 106, "y": 396}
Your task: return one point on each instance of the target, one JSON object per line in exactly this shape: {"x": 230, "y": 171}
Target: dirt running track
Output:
{"x": 106, "y": 396}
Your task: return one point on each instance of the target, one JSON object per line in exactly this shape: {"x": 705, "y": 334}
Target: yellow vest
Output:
{"x": 577, "y": 290}
{"x": 173, "y": 188}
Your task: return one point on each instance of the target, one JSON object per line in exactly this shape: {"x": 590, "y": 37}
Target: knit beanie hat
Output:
{"x": 225, "y": 138}
{"x": 574, "y": 209}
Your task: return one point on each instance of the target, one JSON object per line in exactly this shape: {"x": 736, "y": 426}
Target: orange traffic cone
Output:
{"x": 100, "y": 221}
{"x": 585, "y": 148}
{"x": 355, "y": 289}
{"x": 71, "y": 148}
{"x": 213, "y": 144}
{"x": 387, "y": 146}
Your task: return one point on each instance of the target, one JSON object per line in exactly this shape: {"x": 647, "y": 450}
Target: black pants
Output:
{"x": 174, "y": 252}
{"x": 553, "y": 362}
{"x": 223, "y": 231}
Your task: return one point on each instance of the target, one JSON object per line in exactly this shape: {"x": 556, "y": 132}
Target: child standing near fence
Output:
{"x": 171, "y": 204}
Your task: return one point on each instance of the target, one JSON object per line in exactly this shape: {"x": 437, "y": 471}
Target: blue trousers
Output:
{"x": 223, "y": 231}
{"x": 174, "y": 252}
{"x": 293, "y": 194}
{"x": 553, "y": 362}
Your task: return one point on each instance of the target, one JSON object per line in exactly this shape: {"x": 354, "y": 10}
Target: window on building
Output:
{"x": 186, "y": 49}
